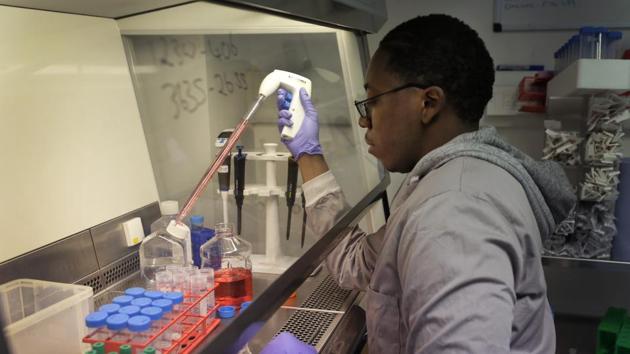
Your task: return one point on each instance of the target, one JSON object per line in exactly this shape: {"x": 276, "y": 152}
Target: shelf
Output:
{"x": 589, "y": 76}
{"x": 584, "y": 263}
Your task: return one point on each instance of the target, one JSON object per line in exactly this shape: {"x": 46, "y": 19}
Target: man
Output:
{"x": 457, "y": 267}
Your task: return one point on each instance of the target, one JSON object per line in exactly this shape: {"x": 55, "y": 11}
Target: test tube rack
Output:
{"x": 192, "y": 326}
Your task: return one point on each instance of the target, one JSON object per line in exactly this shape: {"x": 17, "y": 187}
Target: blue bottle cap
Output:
{"x": 226, "y": 311}
{"x": 154, "y": 313}
{"x": 129, "y": 310}
{"x": 587, "y": 30}
{"x": 117, "y": 321}
{"x": 175, "y": 296}
{"x": 139, "y": 323}
{"x": 245, "y": 305}
{"x": 96, "y": 319}
{"x": 165, "y": 304}
{"x": 122, "y": 300}
{"x": 110, "y": 308}
{"x": 141, "y": 302}
{"x": 135, "y": 292}
{"x": 153, "y": 295}
{"x": 196, "y": 220}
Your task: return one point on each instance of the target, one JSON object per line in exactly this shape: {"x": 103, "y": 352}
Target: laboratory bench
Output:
{"x": 321, "y": 314}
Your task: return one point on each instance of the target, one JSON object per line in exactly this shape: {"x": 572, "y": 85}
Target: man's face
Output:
{"x": 394, "y": 131}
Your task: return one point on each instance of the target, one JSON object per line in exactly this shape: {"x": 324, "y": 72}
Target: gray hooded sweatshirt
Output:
{"x": 456, "y": 268}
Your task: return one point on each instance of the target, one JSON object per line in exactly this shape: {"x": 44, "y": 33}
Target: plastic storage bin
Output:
{"x": 44, "y": 317}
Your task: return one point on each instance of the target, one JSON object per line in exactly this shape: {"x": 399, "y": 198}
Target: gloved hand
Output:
{"x": 286, "y": 343}
{"x": 306, "y": 141}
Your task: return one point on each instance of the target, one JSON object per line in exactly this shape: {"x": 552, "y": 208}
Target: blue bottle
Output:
{"x": 199, "y": 235}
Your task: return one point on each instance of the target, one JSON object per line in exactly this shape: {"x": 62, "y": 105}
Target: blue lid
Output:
{"x": 615, "y": 35}
{"x": 588, "y": 30}
{"x": 196, "y": 220}
{"x": 141, "y": 302}
{"x": 135, "y": 292}
{"x": 153, "y": 295}
{"x": 226, "y": 311}
{"x": 96, "y": 319}
{"x": 122, "y": 300}
{"x": 154, "y": 313}
{"x": 165, "y": 304}
{"x": 139, "y": 323}
{"x": 110, "y": 308}
{"x": 117, "y": 321}
{"x": 175, "y": 296}
{"x": 245, "y": 305}
{"x": 129, "y": 310}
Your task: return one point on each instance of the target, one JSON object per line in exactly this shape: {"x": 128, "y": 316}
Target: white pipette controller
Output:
{"x": 292, "y": 83}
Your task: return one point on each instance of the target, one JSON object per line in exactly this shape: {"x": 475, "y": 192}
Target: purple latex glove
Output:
{"x": 306, "y": 141}
{"x": 286, "y": 343}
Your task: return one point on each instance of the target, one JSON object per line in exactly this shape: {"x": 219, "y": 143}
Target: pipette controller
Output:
{"x": 292, "y": 175}
{"x": 292, "y": 83}
{"x": 270, "y": 84}
{"x": 239, "y": 185}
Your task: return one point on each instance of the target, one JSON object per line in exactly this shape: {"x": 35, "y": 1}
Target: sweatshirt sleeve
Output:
{"x": 457, "y": 276}
{"x": 351, "y": 263}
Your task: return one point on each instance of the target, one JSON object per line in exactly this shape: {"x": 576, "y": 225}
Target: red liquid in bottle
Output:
{"x": 234, "y": 286}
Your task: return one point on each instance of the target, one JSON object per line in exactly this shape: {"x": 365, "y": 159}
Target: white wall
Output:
{"x": 72, "y": 149}
{"x": 534, "y": 47}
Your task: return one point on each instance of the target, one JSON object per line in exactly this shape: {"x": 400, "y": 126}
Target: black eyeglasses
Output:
{"x": 363, "y": 106}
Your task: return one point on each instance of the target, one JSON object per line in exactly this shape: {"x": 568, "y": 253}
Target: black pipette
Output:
{"x": 239, "y": 184}
{"x": 292, "y": 175}
{"x": 303, "y": 220}
{"x": 224, "y": 170}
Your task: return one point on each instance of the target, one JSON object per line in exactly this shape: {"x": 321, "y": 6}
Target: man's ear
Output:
{"x": 433, "y": 101}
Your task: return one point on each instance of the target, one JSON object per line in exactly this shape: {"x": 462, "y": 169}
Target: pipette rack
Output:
{"x": 195, "y": 327}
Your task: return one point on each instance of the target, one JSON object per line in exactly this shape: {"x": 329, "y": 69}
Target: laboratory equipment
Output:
{"x": 123, "y": 300}
{"x": 172, "y": 322}
{"x": 95, "y": 322}
{"x": 160, "y": 249}
{"x": 129, "y": 310}
{"x": 199, "y": 235}
{"x": 110, "y": 308}
{"x": 303, "y": 220}
{"x": 229, "y": 256}
{"x": 292, "y": 83}
{"x": 31, "y": 308}
{"x": 99, "y": 348}
{"x": 239, "y": 185}
{"x": 224, "y": 171}
{"x": 276, "y": 79}
{"x": 168, "y": 209}
{"x": 142, "y": 302}
{"x": 292, "y": 175}
{"x": 135, "y": 292}
{"x": 227, "y": 311}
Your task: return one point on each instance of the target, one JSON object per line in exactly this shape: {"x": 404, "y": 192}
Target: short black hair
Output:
{"x": 443, "y": 51}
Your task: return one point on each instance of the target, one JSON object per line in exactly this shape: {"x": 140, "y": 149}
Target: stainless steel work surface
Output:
{"x": 311, "y": 315}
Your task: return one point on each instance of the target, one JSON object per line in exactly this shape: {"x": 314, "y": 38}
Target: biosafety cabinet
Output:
{"x": 153, "y": 90}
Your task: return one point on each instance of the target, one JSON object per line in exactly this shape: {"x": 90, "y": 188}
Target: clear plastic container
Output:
{"x": 30, "y": 308}
{"x": 159, "y": 250}
{"x": 169, "y": 210}
{"x": 229, "y": 256}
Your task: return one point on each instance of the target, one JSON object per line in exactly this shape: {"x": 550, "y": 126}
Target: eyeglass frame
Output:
{"x": 363, "y": 103}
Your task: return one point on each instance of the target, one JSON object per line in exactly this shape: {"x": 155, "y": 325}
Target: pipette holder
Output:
{"x": 272, "y": 261}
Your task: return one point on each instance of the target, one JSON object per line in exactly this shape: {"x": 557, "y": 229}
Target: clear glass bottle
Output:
{"x": 229, "y": 256}
{"x": 159, "y": 250}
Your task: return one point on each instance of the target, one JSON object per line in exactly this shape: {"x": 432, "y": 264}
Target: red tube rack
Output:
{"x": 191, "y": 326}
